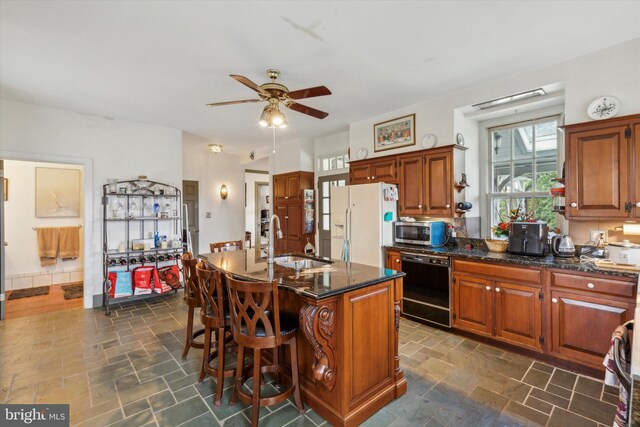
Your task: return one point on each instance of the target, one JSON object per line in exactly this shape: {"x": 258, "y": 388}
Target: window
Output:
{"x": 522, "y": 166}
{"x": 334, "y": 162}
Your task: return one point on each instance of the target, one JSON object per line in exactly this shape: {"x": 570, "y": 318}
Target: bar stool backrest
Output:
{"x": 232, "y": 245}
{"x": 190, "y": 276}
{"x": 254, "y": 309}
{"x": 211, "y": 291}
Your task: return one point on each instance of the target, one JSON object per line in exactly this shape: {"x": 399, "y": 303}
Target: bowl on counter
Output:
{"x": 497, "y": 245}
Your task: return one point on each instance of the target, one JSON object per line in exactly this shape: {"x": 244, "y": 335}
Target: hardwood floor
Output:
{"x": 40, "y": 304}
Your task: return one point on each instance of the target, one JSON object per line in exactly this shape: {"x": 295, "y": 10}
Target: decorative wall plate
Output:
{"x": 429, "y": 141}
{"x": 603, "y": 107}
{"x": 362, "y": 153}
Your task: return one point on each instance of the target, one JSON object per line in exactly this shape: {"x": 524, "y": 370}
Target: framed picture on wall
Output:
{"x": 57, "y": 193}
{"x": 395, "y": 133}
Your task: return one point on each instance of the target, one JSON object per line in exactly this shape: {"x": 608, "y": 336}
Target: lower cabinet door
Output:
{"x": 518, "y": 314}
{"x": 581, "y": 326}
{"x": 473, "y": 304}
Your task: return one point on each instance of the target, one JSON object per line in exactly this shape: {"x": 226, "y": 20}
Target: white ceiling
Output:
{"x": 159, "y": 62}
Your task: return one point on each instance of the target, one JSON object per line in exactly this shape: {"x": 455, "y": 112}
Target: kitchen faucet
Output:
{"x": 278, "y": 235}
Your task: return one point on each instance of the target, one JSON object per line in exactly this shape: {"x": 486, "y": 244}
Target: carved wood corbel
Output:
{"x": 317, "y": 322}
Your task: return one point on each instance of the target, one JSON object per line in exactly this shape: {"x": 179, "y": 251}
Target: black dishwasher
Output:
{"x": 426, "y": 291}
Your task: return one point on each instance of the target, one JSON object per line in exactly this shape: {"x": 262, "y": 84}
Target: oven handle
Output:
{"x": 421, "y": 258}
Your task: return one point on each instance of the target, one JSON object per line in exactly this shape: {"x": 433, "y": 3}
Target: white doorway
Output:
{"x": 257, "y": 206}
{"x": 43, "y": 274}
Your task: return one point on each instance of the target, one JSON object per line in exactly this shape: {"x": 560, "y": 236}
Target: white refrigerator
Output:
{"x": 362, "y": 219}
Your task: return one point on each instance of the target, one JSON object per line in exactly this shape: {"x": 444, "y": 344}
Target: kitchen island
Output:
{"x": 350, "y": 316}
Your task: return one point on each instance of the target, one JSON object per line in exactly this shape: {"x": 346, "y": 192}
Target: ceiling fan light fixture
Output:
{"x": 265, "y": 117}
{"x": 277, "y": 117}
{"x": 215, "y": 148}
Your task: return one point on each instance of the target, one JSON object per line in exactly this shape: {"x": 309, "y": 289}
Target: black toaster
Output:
{"x": 528, "y": 238}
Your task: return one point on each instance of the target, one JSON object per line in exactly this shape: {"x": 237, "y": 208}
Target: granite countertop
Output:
{"x": 336, "y": 278}
{"x": 482, "y": 254}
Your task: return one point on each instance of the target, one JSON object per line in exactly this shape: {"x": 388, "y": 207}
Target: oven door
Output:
{"x": 426, "y": 289}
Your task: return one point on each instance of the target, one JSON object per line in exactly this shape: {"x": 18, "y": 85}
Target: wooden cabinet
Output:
{"x": 288, "y": 206}
{"x": 426, "y": 182}
{"x": 393, "y": 261}
{"x": 370, "y": 171}
{"x": 500, "y": 301}
{"x": 581, "y": 303}
{"x": 601, "y": 159}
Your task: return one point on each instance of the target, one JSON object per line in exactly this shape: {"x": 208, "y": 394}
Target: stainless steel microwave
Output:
{"x": 423, "y": 233}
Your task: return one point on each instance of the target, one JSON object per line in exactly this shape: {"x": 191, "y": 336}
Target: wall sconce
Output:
{"x": 497, "y": 142}
{"x": 224, "y": 192}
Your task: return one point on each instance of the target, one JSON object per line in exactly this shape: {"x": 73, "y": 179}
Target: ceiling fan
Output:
{"x": 275, "y": 93}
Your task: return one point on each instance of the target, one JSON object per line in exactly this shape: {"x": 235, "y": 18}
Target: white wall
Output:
{"x": 106, "y": 148}
{"x": 22, "y": 264}
{"x": 613, "y": 71}
{"x": 291, "y": 156}
{"x": 211, "y": 171}
{"x": 250, "y": 210}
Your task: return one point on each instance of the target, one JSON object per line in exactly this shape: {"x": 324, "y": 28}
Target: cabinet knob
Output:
{"x": 554, "y": 300}
{"x": 420, "y": 206}
{"x": 373, "y": 177}
{"x": 286, "y": 217}
{"x": 488, "y": 288}
{"x": 574, "y": 205}
{"x": 637, "y": 204}
{"x": 590, "y": 285}
{"x": 447, "y": 206}
{"x": 497, "y": 289}
{"x": 286, "y": 197}
{"x": 397, "y": 260}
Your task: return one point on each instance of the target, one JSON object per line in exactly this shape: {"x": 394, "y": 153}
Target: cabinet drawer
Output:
{"x": 499, "y": 271}
{"x": 594, "y": 284}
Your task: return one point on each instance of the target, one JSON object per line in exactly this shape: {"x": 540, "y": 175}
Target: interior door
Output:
{"x": 190, "y": 198}
{"x": 324, "y": 210}
{"x": 2, "y": 242}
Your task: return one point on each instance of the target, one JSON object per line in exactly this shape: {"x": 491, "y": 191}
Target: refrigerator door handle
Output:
{"x": 347, "y": 233}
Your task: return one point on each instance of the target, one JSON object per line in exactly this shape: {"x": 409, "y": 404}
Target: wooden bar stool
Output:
{"x": 214, "y": 314}
{"x": 257, "y": 324}
{"x": 192, "y": 298}
{"x": 231, "y": 245}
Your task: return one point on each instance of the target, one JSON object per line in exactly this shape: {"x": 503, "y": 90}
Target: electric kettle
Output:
{"x": 562, "y": 246}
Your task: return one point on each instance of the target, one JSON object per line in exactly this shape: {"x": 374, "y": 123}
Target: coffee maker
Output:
{"x": 528, "y": 238}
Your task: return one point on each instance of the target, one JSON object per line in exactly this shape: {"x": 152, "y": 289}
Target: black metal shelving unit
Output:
{"x": 131, "y": 205}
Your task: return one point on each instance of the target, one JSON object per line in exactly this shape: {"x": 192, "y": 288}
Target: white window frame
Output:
{"x": 319, "y": 159}
{"x": 554, "y": 112}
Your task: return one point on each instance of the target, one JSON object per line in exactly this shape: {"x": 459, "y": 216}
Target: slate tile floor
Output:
{"x": 126, "y": 370}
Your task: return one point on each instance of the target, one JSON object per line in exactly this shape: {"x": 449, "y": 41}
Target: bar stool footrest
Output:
{"x": 266, "y": 401}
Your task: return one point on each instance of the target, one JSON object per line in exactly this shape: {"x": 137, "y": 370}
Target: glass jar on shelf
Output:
{"x": 557, "y": 191}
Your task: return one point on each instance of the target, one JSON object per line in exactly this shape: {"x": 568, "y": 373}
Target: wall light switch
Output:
{"x": 207, "y": 214}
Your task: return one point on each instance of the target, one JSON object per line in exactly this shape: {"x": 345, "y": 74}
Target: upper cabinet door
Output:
{"x": 411, "y": 189}
{"x": 598, "y": 173}
{"x": 636, "y": 200}
{"x": 279, "y": 188}
{"x": 360, "y": 173}
{"x": 384, "y": 171}
{"x": 438, "y": 184}
{"x": 293, "y": 187}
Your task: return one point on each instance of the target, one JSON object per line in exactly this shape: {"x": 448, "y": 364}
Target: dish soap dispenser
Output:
{"x": 309, "y": 248}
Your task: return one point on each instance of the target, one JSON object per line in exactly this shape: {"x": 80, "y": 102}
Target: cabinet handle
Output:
{"x": 574, "y": 205}
{"x": 554, "y": 300}
{"x": 590, "y": 285}
{"x": 497, "y": 289}
{"x": 488, "y": 288}
{"x": 447, "y": 206}
{"x": 286, "y": 217}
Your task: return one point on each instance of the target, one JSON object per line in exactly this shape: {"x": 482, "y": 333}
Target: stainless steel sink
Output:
{"x": 300, "y": 263}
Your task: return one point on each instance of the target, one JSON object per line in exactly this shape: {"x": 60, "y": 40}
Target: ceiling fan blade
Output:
{"x": 309, "y": 92}
{"x": 245, "y": 81}
{"x": 244, "y": 101}
{"x": 306, "y": 110}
